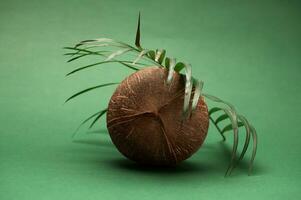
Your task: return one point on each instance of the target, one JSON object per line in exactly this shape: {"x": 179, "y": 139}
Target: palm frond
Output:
{"x": 100, "y": 114}
{"x": 248, "y": 136}
{"x": 97, "y": 115}
{"x": 179, "y": 66}
{"x": 152, "y": 55}
{"x": 234, "y": 125}
{"x": 218, "y": 100}
{"x": 197, "y": 93}
{"x": 89, "y": 89}
{"x": 117, "y": 53}
{"x": 125, "y": 63}
{"x": 217, "y": 127}
{"x": 82, "y": 50}
{"x": 84, "y": 122}
{"x": 214, "y": 109}
{"x": 188, "y": 88}
{"x": 229, "y": 127}
{"x": 105, "y": 41}
{"x": 221, "y": 118}
{"x": 137, "y": 39}
{"x": 141, "y": 54}
{"x": 236, "y": 122}
{"x": 171, "y": 65}
{"x": 160, "y": 54}
{"x": 167, "y": 62}
{"x": 254, "y": 136}
{"x": 86, "y": 54}
{"x": 129, "y": 65}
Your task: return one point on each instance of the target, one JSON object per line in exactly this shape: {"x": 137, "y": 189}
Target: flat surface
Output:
{"x": 247, "y": 52}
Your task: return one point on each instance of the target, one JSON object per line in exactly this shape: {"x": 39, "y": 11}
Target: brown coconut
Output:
{"x": 145, "y": 120}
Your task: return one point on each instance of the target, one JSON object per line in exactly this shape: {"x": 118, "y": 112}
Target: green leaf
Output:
{"x": 106, "y": 42}
{"x": 85, "y": 54}
{"x": 137, "y": 40}
{"x": 248, "y": 135}
{"x": 234, "y": 127}
{"x": 85, "y": 121}
{"x": 172, "y": 63}
{"x": 160, "y": 54}
{"x": 152, "y": 54}
{"x": 91, "y": 41}
{"x": 103, "y": 62}
{"x": 73, "y": 53}
{"x": 179, "y": 66}
{"x": 217, "y": 127}
{"x": 221, "y": 118}
{"x": 250, "y": 131}
{"x": 117, "y": 53}
{"x": 101, "y": 113}
{"x": 229, "y": 127}
{"x": 128, "y": 65}
{"x": 141, "y": 54}
{"x": 188, "y": 88}
{"x": 77, "y": 57}
{"x": 197, "y": 93}
{"x": 218, "y": 100}
{"x": 167, "y": 61}
{"x": 79, "y": 50}
{"x": 254, "y": 136}
{"x": 89, "y": 89}
{"x": 213, "y": 110}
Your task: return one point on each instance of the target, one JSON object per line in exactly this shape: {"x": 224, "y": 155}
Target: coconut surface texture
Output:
{"x": 145, "y": 120}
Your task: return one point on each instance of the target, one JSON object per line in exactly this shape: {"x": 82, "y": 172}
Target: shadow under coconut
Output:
{"x": 184, "y": 167}
{"x": 213, "y": 158}
{"x": 213, "y": 161}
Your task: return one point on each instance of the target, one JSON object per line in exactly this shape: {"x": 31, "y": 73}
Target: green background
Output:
{"x": 247, "y": 52}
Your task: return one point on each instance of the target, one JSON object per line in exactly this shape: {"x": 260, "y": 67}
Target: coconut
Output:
{"x": 145, "y": 119}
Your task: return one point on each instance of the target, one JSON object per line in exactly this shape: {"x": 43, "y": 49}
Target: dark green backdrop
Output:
{"x": 247, "y": 52}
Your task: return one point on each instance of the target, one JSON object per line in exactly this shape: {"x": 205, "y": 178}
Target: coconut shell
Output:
{"x": 145, "y": 120}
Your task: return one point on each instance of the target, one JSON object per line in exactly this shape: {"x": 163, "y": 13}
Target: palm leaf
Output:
{"x": 128, "y": 65}
{"x": 137, "y": 40}
{"x": 89, "y": 89}
{"x": 141, "y": 54}
{"x": 188, "y": 88}
{"x": 250, "y": 131}
{"x": 167, "y": 61}
{"x": 99, "y": 41}
{"x": 221, "y": 118}
{"x": 82, "y": 55}
{"x": 254, "y": 136}
{"x": 217, "y": 127}
{"x": 79, "y": 50}
{"x": 218, "y": 100}
{"x": 213, "y": 110}
{"x": 83, "y": 122}
{"x": 160, "y": 54}
{"x": 234, "y": 126}
{"x": 171, "y": 65}
{"x": 103, "y": 62}
{"x": 247, "y": 141}
{"x": 197, "y": 93}
{"x": 229, "y": 127}
{"x": 179, "y": 66}
{"x": 101, "y": 113}
{"x": 152, "y": 55}
{"x": 117, "y": 53}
